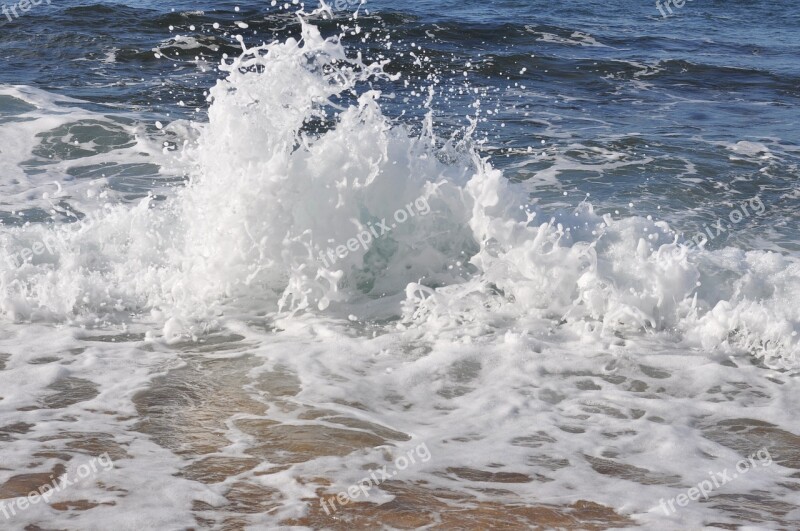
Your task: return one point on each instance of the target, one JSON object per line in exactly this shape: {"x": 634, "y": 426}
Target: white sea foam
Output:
{"x": 266, "y": 197}
{"x": 505, "y": 321}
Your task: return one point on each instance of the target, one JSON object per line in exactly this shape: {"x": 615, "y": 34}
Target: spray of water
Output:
{"x": 297, "y": 157}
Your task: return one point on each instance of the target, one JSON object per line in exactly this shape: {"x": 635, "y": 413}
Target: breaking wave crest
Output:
{"x": 297, "y": 159}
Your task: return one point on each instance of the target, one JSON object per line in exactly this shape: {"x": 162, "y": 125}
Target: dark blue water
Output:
{"x": 606, "y": 98}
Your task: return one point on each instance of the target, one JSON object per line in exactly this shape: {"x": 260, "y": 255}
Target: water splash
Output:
{"x": 297, "y": 157}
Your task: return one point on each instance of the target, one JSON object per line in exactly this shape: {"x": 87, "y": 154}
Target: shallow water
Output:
{"x": 205, "y": 281}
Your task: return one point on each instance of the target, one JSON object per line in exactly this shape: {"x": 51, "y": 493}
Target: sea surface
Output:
{"x": 423, "y": 264}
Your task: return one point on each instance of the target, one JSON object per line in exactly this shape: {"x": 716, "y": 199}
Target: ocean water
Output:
{"x": 431, "y": 264}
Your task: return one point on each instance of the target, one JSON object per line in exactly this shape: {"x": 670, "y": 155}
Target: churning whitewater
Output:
{"x": 325, "y": 290}
{"x": 261, "y": 205}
